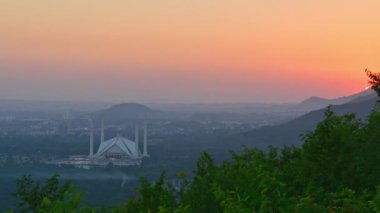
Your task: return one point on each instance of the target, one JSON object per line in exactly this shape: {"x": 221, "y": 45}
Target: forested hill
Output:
{"x": 315, "y": 103}
{"x": 290, "y": 132}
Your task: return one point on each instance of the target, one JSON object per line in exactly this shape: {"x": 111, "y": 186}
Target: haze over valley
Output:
{"x": 33, "y": 132}
{"x": 195, "y": 106}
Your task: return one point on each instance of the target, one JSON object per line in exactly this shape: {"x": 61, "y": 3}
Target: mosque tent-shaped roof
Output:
{"x": 118, "y": 145}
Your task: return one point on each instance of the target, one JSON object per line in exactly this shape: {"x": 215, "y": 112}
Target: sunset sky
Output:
{"x": 186, "y": 51}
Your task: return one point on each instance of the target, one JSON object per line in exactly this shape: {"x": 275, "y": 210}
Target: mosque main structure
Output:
{"x": 118, "y": 151}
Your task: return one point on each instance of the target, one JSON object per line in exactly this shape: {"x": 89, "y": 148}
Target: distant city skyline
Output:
{"x": 186, "y": 52}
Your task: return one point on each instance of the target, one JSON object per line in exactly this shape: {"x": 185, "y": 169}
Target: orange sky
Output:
{"x": 186, "y": 51}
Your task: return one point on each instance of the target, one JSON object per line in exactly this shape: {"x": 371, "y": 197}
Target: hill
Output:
{"x": 314, "y": 103}
{"x": 290, "y": 133}
{"x": 126, "y": 111}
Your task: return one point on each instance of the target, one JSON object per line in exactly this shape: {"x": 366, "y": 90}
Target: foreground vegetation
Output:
{"x": 336, "y": 170}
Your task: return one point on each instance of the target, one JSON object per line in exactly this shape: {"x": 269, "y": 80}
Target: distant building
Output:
{"x": 117, "y": 151}
{"x": 118, "y": 148}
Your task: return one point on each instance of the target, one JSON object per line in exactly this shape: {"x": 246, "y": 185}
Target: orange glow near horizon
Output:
{"x": 187, "y": 51}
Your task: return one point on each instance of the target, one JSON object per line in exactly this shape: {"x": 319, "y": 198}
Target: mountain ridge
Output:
{"x": 315, "y": 102}
{"x": 289, "y": 133}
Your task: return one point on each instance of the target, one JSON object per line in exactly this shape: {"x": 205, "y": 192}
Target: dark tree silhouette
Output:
{"x": 374, "y": 80}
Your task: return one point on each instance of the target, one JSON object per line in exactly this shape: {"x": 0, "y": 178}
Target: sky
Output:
{"x": 186, "y": 51}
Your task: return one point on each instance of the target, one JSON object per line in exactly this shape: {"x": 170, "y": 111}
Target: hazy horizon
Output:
{"x": 186, "y": 52}
{"x": 175, "y": 102}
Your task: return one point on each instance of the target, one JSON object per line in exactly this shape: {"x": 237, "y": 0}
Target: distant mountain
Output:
{"x": 289, "y": 133}
{"x": 369, "y": 96}
{"x": 129, "y": 108}
{"x": 314, "y": 103}
{"x": 126, "y": 111}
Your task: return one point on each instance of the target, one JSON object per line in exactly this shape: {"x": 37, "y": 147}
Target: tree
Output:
{"x": 374, "y": 80}
{"x": 156, "y": 197}
{"x": 330, "y": 151}
{"x": 50, "y": 196}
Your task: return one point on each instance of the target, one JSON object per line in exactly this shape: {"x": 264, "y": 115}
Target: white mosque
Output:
{"x": 117, "y": 151}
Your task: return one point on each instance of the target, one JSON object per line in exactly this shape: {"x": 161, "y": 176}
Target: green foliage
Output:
{"x": 33, "y": 196}
{"x": 330, "y": 152}
{"x": 152, "y": 198}
{"x": 51, "y": 196}
{"x": 369, "y": 152}
{"x": 199, "y": 195}
{"x": 374, "y": 204}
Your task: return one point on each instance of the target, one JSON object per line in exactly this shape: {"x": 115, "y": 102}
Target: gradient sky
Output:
{"x": 186, "y": 51}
